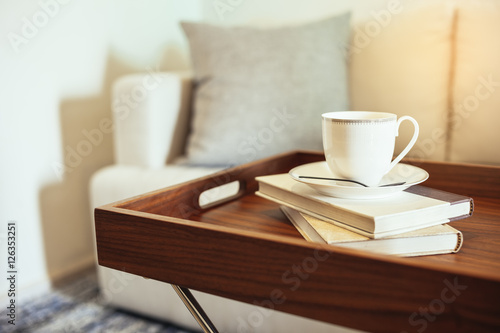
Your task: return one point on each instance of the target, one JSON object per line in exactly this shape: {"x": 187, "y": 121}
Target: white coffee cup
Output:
{"x": 359, "y": 145}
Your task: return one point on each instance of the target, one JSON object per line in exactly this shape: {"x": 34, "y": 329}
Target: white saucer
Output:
{"x": 409, "y": 174}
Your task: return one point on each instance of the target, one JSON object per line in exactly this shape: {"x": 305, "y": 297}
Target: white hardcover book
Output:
{"x": 415, "y": 208}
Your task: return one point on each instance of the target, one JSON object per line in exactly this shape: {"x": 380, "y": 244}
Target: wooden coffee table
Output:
{"x": 244, "y": 248}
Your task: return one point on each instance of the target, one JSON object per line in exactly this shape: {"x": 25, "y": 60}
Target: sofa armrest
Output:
{"x": 151, "y": 116}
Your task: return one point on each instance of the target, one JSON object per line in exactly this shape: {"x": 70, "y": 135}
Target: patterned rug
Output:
{"x": 76, "y": 307}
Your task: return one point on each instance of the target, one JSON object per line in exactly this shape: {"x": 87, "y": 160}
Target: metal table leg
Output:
{"x": 195, "y": 308}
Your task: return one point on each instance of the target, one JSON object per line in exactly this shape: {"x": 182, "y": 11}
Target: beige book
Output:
{"x": 438, "y": 239}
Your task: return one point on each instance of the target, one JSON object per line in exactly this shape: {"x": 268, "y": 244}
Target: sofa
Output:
{"x": 436, "y": 61}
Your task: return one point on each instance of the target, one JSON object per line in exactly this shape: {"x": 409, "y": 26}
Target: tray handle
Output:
{"x": 196, "y": 196}
{"x": 220, "y": 194}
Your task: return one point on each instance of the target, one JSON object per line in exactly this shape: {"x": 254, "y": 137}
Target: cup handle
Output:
{"x": 410, "y": 144}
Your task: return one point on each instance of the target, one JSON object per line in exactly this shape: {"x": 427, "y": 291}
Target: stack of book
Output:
{"x": 413, "y": 222}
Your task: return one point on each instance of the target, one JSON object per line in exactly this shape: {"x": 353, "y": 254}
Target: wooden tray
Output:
{"x": 244, "y": 248}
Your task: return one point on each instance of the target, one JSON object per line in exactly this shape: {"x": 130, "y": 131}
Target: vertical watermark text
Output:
{"x": 11, "y": 271}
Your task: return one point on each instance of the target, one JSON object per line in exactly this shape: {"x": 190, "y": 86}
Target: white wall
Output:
{"x": 57, "y": 61}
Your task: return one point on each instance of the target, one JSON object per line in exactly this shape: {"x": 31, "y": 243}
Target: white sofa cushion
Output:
{"x": 262, "y": 91}
{"x": 400, "y": 63}
{"x": 475, "y": 137}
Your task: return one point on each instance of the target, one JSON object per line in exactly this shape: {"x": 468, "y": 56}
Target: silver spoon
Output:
{"x": 349, "y": 180}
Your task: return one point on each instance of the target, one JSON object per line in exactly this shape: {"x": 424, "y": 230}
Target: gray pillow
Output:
{"x": 259, "y": 92}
